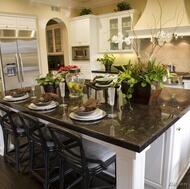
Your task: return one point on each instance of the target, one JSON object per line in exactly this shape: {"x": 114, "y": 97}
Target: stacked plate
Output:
{"x": 43, "y": 106}
{"x": 16, "y": 98}
{"x": 88, "y": 116}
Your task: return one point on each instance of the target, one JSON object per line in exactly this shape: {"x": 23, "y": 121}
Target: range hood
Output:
{"x": 172, "y": 14}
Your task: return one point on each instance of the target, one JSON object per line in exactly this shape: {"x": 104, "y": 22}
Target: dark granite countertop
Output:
{"x": 112, "y": 71}
{"x": 133, "y": 130}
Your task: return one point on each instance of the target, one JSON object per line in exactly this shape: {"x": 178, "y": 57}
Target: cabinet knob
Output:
{"x": 178, "y": 129}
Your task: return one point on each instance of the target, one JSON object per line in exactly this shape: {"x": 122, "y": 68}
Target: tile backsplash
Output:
{"x": 176, "y": 52}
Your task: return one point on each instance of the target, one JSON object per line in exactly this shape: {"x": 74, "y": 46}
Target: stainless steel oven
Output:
{"x": 81, "y": 53}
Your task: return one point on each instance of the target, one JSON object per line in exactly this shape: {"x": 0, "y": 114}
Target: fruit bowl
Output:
{"x": 104, "y": 81}
{"x": 120, "y": 67}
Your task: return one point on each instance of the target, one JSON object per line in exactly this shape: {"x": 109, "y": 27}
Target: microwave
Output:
{"x": 80, "y": 53}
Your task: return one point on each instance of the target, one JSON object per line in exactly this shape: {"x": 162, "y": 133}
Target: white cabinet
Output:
{"x": 80, "y": 32}
{"x": 111, "y": 24}
{"x": 84, "y": 33}
{"x": 172, "y": 158}
{"x": 16, "y": 22}
{"x": 54, "y": 40}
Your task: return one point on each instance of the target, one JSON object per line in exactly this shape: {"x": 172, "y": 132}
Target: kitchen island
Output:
{"x": 132, "y": 136}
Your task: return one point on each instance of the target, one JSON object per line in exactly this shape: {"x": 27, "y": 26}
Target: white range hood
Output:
{"x": 171, "y": 14}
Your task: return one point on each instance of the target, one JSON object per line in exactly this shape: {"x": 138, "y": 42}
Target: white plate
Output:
{"x": 100, "y": 115}
{"x": 52, "y": 105}
{"x": 98, "y": 85}
{"x": 14, "y": 99}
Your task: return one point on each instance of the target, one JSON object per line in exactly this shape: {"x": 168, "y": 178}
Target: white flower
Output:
{"x": 127, "y": 40}
{"x": 118, "y": 38}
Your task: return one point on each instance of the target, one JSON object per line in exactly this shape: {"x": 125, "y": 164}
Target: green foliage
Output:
{"x": 85, "y": 11}
{"x": 108, "y": 59}
{"x": 123, "y": 5}
{"x": 50, "y": 79}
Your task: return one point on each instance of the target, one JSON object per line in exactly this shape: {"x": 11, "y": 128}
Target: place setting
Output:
{"x": 17, "y": 95}
{"x": 47, "y": 102}
{"x": 89, "y": 111}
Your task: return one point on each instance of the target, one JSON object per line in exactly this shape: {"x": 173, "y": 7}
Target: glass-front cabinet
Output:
{"x": 123, "y": 25}
{"x": 123, "y": 22}
{"x": 54, "y": 45}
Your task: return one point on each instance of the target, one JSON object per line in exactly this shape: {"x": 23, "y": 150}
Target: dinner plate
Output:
{"x": 85, "y": 113}
{"x": 15, "y": 99}
{"x": 52, "y": 105}
{"x": 101, "y": 115}
{"x": 98, "y": 85}
{"x": 96, "y": 113}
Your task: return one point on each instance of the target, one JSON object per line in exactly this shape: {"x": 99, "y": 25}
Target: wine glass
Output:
{"x": 62, "y": 92}
{"x": 33, "y": 89}
{"x": 111, "y": 93}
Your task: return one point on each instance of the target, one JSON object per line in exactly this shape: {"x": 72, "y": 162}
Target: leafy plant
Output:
{"x": 85, "y": 11}
{"x": 50, "y": 79}
{"x": 123, "y": 5}
{"x": 108, "y": 59}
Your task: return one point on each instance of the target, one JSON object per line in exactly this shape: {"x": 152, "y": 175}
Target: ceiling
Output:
{"x": 76, "y": 3}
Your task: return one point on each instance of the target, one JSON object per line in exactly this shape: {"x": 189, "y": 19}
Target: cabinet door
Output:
{"x": 50, "y": 41}
{"x": 181, "y": 150}
{"x": 103, "y": 30}
{"x": 123, "y": 25}
{"x": 7, "y": 22}
{"x": 80, "y": 32}
{"x": 57, "y": 40}
{"x": 26, "y": 23}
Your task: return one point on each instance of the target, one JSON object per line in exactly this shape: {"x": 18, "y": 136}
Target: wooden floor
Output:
{"x": 11, "y": 179}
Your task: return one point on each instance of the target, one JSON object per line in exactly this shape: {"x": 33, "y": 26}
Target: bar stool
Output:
{"x": 16, "y": 154}
{"x": 83, "y": 156}
{"x": 43, "y": 155}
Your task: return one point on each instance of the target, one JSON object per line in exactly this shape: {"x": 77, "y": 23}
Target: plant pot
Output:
{"x": 107, "y": 68}
{"x": 49, "y": 88}
{"x": 142, "y": 95}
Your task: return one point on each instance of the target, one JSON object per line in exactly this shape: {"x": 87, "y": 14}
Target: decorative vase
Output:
{"x": 143, "y": 95}
{"x": 107, "y": 68}
{"x": 49, "y": 88}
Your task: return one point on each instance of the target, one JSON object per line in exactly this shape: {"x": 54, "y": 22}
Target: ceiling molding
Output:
{"x": 77, "y": 4}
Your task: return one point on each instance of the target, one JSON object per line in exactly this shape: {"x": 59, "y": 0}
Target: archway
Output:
{"x": 56, "y": 37}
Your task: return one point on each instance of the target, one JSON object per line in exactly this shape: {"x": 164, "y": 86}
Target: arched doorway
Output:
{"x": 55, "y": 44}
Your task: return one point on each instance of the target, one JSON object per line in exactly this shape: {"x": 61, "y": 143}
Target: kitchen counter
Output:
{"x": 112, "y": 71}
{"x": 132, "y": 133}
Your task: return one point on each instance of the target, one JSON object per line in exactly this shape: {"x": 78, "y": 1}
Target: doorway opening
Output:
{"x": 54, "y": 37}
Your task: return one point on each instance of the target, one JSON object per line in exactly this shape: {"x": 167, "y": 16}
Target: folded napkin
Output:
{"x": 46, "y": 97}
{"x": 18, "y": 92}
{"x": 89, "y": 105}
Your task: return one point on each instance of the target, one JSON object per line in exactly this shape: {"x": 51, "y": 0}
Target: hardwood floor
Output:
{"x": 11, "y": 179}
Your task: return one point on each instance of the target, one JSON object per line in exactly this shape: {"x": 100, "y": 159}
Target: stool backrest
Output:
{"x": 6, "y": 120}
{"x": 32, "y": 128}
{"x": 71, "y": 150}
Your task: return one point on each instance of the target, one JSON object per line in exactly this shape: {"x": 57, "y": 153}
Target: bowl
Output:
{"x": 120, "y": 67}
{"x": 104, "y": 81}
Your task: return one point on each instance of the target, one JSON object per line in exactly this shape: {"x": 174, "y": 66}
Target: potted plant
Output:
{"x": 107, "y": 61}
{"x": 50, "y": 82}
{"x": 123, "y": 5}
{"x": 85, "y": 11}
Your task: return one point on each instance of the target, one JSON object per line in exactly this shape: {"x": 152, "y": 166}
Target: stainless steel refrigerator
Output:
{"x": 19, "y": 62}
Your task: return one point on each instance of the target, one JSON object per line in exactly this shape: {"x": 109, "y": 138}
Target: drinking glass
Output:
{"x": 33, "y": 89}
{"x": 62, "y": 92}
{"x": 111, "y": 93}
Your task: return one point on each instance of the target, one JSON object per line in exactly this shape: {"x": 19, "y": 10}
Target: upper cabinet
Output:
{"x": 54, "y": 39}
{"x": 13, "y": 22}
{"x": 80, "y": 32}
{"x": 110, "y": 24}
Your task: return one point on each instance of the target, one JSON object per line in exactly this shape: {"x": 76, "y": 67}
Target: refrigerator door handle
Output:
{"x": 21, "y": 71}
{"x": 18, "y": 67}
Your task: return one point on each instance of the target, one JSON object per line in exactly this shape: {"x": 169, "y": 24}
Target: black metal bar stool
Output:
{"x": 83, "y": 156}
{"x": 15, "y": 133}
{"x": 43, "y": 155}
